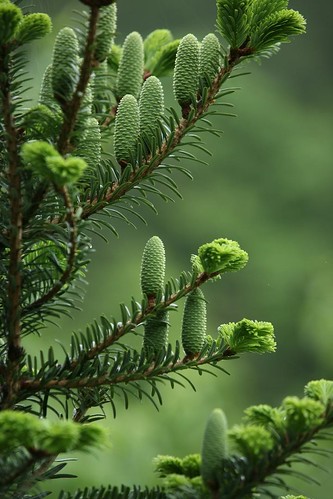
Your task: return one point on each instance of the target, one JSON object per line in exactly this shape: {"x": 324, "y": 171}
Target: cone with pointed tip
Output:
{"x": 126, "y": 129}
{"x": 194, "y": 323}
{"x": 65, "y": 65}
{"x": 186, "y": 74}
{"x": 106, "y": 28}
{"x": 153, "y": 267}
{"x": 209, "y": 60}
{"x": 214, "y": 448}
{"x": 151, "y": 106}
{"x": 130, "y": 70}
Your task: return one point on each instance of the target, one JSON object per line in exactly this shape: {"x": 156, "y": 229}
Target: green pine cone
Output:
{"x": 65, "y": 65}
{"x": 107, "y": 25}
{"x": 156, "y": 333}
{"x": 89, "y": 146}
{"x": 151, "y": 106}
{"x": 130, "y": 71}
{"x": 214, "y": 447}
{"x": 126, "y": 132}
{"x": 194, "y": 323}
{"x": 209, "y": 60}
{"x": 186, "y": 74}
{"x": 10, "y": 18}
{"x": 32, "y": 27}
{"x": 153, "y": 267}
{"x": 153, "y": 43}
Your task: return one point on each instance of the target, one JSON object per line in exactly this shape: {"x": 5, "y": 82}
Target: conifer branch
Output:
{"x": 72, "y": 108}
{"x": 118, "y": 190}
{"x": 15, "y": 351}
{"x": 72, "y": 245}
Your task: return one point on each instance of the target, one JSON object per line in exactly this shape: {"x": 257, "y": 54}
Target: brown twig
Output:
{"x": 15, "y": 351}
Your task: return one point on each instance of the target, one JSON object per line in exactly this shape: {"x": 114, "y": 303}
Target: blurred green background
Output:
{"x": 268, "y": 186}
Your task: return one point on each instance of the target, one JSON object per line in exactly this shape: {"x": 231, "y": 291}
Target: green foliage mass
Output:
{"x": 98, "y": 147}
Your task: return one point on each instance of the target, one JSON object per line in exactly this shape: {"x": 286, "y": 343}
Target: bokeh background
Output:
{"x": 269, "y": 186}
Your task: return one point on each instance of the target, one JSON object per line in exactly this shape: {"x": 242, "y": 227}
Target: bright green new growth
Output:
{"x": 25, "y": 430}
{"x": 194, "y": 323}
{"x": 321, "y": 390}
{"x": 65, "y": 65}
{"x": 222, "y": 255}
{"x": 154, "y": 42}
{"x": 186, "y": 73}
{"x": 130, "y": 71}
{"x": 114, "y": 57}
{"x": 294, "y": 497}
{"x": 257, "y": 25}
{"x": 248, "y": 336}
{"x": 162, "y": 64}
{"x": 151, "y": 107}
{"x": 209, "y": 60}
{"x": 107, "y": 25}
{"x": 215, "y": 447}
{"x": 10, "y": 18}
{"x": 252, "y": 441}
{"x": 127, "y": 127}
{"x": 153, "y": 267}
{"x": 44, "y": 159}
{"x": 156, "y": 333}
{"x": 304, "y": 414}
{"x": 32, "y": 27}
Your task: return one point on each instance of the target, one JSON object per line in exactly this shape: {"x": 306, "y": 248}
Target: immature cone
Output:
{"x": 156, "y": 333}
{"x": 186, "y": 74}
{"x": 153, "y": 267}
{"x": 106, "y": 28}
{"x": 151, "y": 106}
{"x": 65, "y": 65}
{"x": 126, "y": 129}
{"x": 194, "y": 323}
{"x": 130, "y": 71}
{"x": 214, "y": 448}
{"x": 209, "y": 60}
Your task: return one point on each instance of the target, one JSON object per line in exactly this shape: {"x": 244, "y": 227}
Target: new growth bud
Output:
{"x": 32, "y": 27}
{"x": 222, "y": 255}
{"x": 10, "y": 18}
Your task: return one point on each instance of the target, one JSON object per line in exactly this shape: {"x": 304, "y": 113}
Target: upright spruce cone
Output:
{"x": 151, "y": 106}
{"x": 126, "y": 129}
{"x": 65, "y": 65}
{"x": 214, "y": 448}
{"x": 153, "y": 267}
{"x": 209, "y": 60}
{"x": 107, "y": 25}
{"x": 130, "y": 71}
{"x": 156, "y": 333}
{"x": 186, "y": 74}
{"x": 194, "y": 323}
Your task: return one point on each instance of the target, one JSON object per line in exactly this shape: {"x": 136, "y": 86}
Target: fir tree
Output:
{"x": 58, "y": 186}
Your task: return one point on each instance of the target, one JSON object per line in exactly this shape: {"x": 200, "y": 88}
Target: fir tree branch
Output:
{"x": 15, "y": 351}
{"x": 117, "y": 190}
{"x": 123, "y": 329}
{"x": 150, "y": 373}
{"x": 72, "y": 244}
{"x": 72, "y": 108}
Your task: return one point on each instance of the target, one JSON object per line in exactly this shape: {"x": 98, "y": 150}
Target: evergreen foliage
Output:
{"x": 59, "y": 185}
